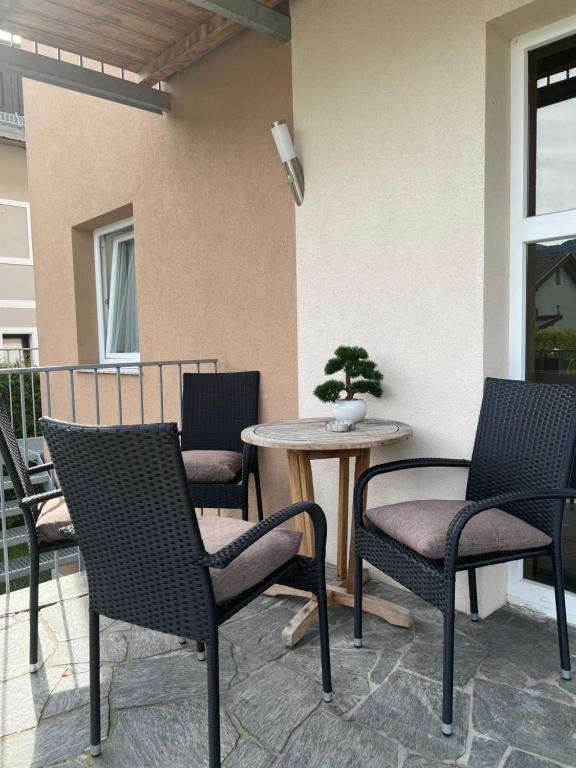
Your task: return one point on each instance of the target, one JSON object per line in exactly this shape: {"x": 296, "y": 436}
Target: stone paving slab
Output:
{"x": 408, "y": 708}
{"x": 525, "y": 721}
{"x": 73, "y": 691}
{"x": 57, "y": 738}
{"x": 485, "y": 753}
{"x": 274, "y": 702}
{"x": 14, "y": 644}
{"x": 250, "y": 755}
{"x": 173, "y": 735}
{"x": 328, "y": 741}
{"x": 511, "y": 708}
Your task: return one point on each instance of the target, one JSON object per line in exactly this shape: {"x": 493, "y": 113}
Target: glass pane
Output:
{"x": 556, "y": 157}
{"x": 123, "y": 322}
{"x": 14, "y": 232}
{"x": 552, "y": 127}
{"x": 106, "y": 244}
{"x": 551, "y": 357}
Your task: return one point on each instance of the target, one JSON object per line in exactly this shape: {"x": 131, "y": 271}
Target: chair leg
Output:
{"x": 213, "y": 705}
{"x": 259, "y": 495}
{"x": 94, "y": 655}
{"x": 34, "y": 586}
{"x": 324, "y": 639}
{"x": 358, "y": 602}
{"x": 200, "y": 651}
{"x": 561, "y": 616}
{"x": 448, "y": 681}
{"x": 473, "y": 594}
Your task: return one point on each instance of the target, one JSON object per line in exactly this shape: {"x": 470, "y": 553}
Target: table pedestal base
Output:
{"x": 341, "y": 592}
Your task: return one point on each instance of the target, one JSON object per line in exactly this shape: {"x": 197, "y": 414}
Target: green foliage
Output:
{"x": 10, "y": 391}
{"x": 558, "y": 340}
{"x": 361, "y": 375}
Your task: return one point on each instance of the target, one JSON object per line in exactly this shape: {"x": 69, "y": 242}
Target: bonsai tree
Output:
{"x": 361, "y": 375}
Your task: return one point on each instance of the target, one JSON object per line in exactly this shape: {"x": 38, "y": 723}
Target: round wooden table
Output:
{"x": 306, "y": 440}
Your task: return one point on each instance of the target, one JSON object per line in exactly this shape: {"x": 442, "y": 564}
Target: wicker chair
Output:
{"x": 520, "y": 467}
{"x": 43, "y": 519}
{"x": 216, "y": 407}
{"x": 149, "y": 559}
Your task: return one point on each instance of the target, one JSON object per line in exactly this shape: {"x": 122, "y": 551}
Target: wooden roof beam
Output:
{"x": 250, "y": 14}
{"x": 75, "y": 78}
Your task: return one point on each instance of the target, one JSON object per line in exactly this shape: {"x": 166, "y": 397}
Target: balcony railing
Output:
{"x": 96, "y": 394}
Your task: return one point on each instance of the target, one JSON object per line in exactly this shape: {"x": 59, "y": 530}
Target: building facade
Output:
{"x": 410, "y": 123}
{"x": 17, "y": 299}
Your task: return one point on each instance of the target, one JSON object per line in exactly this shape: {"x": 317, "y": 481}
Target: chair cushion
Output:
{"x": 423, "y": 525}
{"x": 53, "y": 516}
{"x": 211, "y": 466}
{"x": 255, "y": 563}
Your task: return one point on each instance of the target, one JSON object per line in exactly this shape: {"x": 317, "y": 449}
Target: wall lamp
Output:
{"x": 285, "y": 147}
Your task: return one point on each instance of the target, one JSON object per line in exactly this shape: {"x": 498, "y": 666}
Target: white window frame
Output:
{"x": 30, "y": 260}
{"x": 103, "y": 340}
{"x": 525, "y": 230}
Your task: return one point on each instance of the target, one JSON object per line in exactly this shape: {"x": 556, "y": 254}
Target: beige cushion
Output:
{"x": 423, "y": 525}
{"x": 211, "y": 466}
{"x": 255, "y": 563}
{"x": 53, "y": 516}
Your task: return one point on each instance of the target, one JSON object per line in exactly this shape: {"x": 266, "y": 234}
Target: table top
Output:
{"x": 312, "y": 435}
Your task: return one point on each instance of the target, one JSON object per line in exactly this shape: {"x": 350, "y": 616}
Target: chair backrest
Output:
{"x": 216, "y": 407}
{"x": 11, "y": 456}
{"x": 525, "y": 440}
{"x": 128, "y": 498}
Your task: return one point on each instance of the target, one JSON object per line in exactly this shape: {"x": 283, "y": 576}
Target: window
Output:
{"x": 15, "y": 237}
{"x": 543, "y": 252}
{"x": 115, "y": 256}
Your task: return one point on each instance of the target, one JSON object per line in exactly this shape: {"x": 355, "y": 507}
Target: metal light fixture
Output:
{"x": 285, "y": 147}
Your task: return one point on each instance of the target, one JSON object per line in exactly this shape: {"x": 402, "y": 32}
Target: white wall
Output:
{"x": 401, "y": 123}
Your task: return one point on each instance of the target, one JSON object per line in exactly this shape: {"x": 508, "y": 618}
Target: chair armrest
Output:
{"x": 227, "y": 554}
{"x": 37, "y": 469}
{"x": 248, "y": 460}
{"x": 474, "y": 508}
{"x": 39, "y": 498}
{"x": 396, "y": 466}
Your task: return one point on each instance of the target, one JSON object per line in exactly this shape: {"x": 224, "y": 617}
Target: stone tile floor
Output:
{"x": 513, "y": 710}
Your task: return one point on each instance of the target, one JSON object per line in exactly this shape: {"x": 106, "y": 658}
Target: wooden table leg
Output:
{"x": 362, "y": 463}
{"x": 302, "y": 489}
{"x": 341, "y": 592}
{"x": 343, "y": 504}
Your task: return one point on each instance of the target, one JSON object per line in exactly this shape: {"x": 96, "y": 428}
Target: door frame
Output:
{"x": 525, "y": 230}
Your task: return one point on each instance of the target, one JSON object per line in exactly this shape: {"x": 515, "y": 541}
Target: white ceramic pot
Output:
{"x": 349, "y": 410}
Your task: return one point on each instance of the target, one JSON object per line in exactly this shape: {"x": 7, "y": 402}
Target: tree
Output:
{"x": 360, "y": 373}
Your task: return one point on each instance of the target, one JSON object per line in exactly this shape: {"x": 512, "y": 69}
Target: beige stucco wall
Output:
{"x": 214, "y": 224}
{"x": 16, "y": 281}
{"x": 401, "y": 120}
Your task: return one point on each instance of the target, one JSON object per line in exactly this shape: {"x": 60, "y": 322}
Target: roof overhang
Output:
{"x": 118, "y": 49}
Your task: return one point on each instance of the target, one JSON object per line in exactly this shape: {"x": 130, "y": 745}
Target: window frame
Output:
{"x": 103, "y": 338}
{"x": 526, "y": 230}
{"x": 30, "y": 260}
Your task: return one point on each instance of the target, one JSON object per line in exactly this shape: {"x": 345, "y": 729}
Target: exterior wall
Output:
{"x": 401, "y": 122}
{"x": 214, "y": 225}
{"x": 16, "y": 281}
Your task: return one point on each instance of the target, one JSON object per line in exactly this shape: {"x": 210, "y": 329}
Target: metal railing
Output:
{"x": 110, "y": 393}
{"x": 25, "y": 355}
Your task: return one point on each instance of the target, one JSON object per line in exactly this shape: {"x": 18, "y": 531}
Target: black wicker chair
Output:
{"x": 216, "y": 407}
{"x": 165, "y": 579}
{"x": 42, "y": 519}
{"x": 520, "y": 467}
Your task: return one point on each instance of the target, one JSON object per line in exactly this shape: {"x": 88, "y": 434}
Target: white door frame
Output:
{"x": 523, "y": 231}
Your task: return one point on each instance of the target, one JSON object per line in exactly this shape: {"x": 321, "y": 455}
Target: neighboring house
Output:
{"x": 421, "y": 127}
{"x": 17, "y": 300}
{"x": 555, "y": 290}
